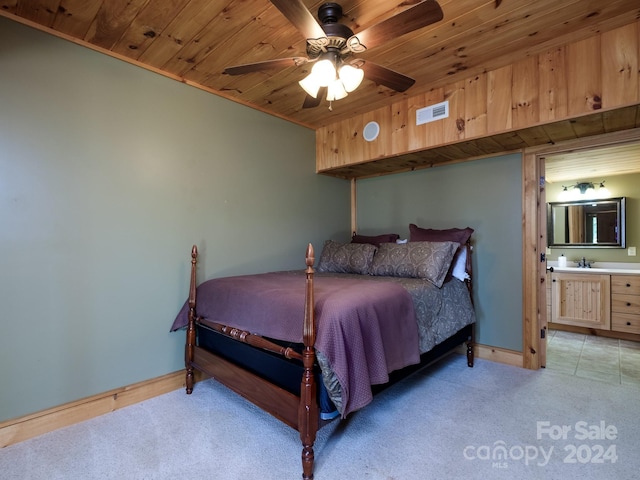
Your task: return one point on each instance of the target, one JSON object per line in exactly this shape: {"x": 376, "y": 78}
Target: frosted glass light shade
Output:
{"x": 310, "y": 84}
{"x": 351, "y": 77}
{"x": 324, "y": 71}
{"x": 336, "y": 91}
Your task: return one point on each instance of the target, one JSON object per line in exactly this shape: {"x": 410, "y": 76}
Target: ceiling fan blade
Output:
{"x": 387, "y": 77}
{"x": 297, "y": 13}
{"x": 266, "y": 65}
{"x": 311, "y": 102}
{"x": 411, "y": 19}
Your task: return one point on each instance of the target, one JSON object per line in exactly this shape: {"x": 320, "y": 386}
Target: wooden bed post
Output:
{"x": 469, "y": 268}
{"x": 191, "y": 328}
{"x": 308, "y": 409}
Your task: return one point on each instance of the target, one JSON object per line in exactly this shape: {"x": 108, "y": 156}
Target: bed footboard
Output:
{"x": 301, "y": 413}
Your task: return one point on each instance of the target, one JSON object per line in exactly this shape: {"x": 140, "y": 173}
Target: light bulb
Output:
{"x": 603, "y": 192}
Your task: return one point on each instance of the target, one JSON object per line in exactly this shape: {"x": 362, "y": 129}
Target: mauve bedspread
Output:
{"x": 364, "y": 329}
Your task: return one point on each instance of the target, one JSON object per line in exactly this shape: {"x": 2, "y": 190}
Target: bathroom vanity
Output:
{"x": 597, "y": 299}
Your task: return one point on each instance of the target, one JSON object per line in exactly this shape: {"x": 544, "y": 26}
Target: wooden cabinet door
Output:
{"x": 581, "y": 299}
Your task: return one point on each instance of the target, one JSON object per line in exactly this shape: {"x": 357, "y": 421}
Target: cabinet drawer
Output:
{"x": 625, "y": 304}
{"x": 625, "y": 284}
{"x": 621, "y": 322}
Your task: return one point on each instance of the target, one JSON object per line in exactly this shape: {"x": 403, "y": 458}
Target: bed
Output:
{"x": 311, "y": 345}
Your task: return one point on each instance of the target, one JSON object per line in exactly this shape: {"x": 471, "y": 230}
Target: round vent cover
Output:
{"x": 371, "y": 131}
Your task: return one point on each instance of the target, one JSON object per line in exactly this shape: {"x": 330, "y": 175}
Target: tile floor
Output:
{"x": 600, "y": 358}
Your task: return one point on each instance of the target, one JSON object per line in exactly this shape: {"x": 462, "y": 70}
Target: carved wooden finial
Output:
{"x": 194, "y": 252}
{"x": 310, "y": 256}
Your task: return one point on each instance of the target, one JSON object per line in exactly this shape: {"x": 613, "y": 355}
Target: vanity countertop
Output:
{"x": 605, "y": 269}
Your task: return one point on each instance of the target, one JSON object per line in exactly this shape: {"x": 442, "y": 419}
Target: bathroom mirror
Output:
{"x": 587, "y": 223}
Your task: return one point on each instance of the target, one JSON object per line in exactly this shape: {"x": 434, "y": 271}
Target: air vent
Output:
{"x": 432, "y": 113}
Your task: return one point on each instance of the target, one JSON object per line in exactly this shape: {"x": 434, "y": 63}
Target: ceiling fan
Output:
{"x": 331, "y": 46}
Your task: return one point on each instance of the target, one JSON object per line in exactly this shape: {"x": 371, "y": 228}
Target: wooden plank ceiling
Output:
{"x": 603, "y": 162}
{"x": 194, "y": 40}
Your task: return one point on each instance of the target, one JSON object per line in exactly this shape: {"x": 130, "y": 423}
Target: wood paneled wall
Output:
{"x": 599, "y": 73}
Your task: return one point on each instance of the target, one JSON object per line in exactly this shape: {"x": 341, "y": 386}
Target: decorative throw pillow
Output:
{"x": 346, "y": 257}
{"x": 428, "y": 260}
{"x": 375, "y": 239}
{"x": 419, "y": 234}
{"x": 460, "y": 235}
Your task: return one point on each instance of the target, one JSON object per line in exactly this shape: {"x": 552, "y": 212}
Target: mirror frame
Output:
{"x": 620, "y": 203}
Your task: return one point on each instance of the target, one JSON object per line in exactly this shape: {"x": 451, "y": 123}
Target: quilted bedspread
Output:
{"x": 440, "y": 313}
{"x": 365, "y": 329}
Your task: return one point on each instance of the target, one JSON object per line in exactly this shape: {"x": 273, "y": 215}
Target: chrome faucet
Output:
{"x": 584, "y": 263}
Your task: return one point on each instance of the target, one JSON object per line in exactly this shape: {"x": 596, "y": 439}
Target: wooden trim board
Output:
{"x": 494, "y": 354}
{"x": 23, "y": 428}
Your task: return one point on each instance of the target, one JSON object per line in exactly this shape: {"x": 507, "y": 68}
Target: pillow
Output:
{"x": 346, "y": 257}
{"x": 460, "y": 235}
{"x": 428, "y": 260}
{"x": 459, "y": 265}
{"x": 418, "y": 234}
{"x": 376, "y": 239}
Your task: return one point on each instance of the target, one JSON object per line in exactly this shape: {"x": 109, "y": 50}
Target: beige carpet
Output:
{"x": 448, "y": 422}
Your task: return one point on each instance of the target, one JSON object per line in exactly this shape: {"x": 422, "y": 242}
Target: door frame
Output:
{"x": 534, "y": 238}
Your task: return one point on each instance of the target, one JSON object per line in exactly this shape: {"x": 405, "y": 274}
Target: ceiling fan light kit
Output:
{"x": 330, "y": 44}
{"x": 331, "y": 72}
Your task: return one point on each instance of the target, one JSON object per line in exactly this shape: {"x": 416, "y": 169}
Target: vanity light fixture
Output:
{"x": 585, "y": 190}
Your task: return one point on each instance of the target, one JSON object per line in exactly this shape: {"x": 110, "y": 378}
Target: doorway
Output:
{"x": 535, "y": 322}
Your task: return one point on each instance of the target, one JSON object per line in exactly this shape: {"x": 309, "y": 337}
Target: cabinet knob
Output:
{"x": 629, "y": 323}
{"x": 628, "y": 304}
{"x": 628, "y": 284}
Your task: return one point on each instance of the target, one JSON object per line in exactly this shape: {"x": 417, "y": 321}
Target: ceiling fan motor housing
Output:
{"x": 337, "y": 33}
{"x": 329, "y": 12}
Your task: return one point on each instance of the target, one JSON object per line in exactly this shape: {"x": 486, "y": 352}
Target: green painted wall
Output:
{"x": 108, "y": 174}
{"x": 619, "y": 186}
{"x": 485, "y": 195}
